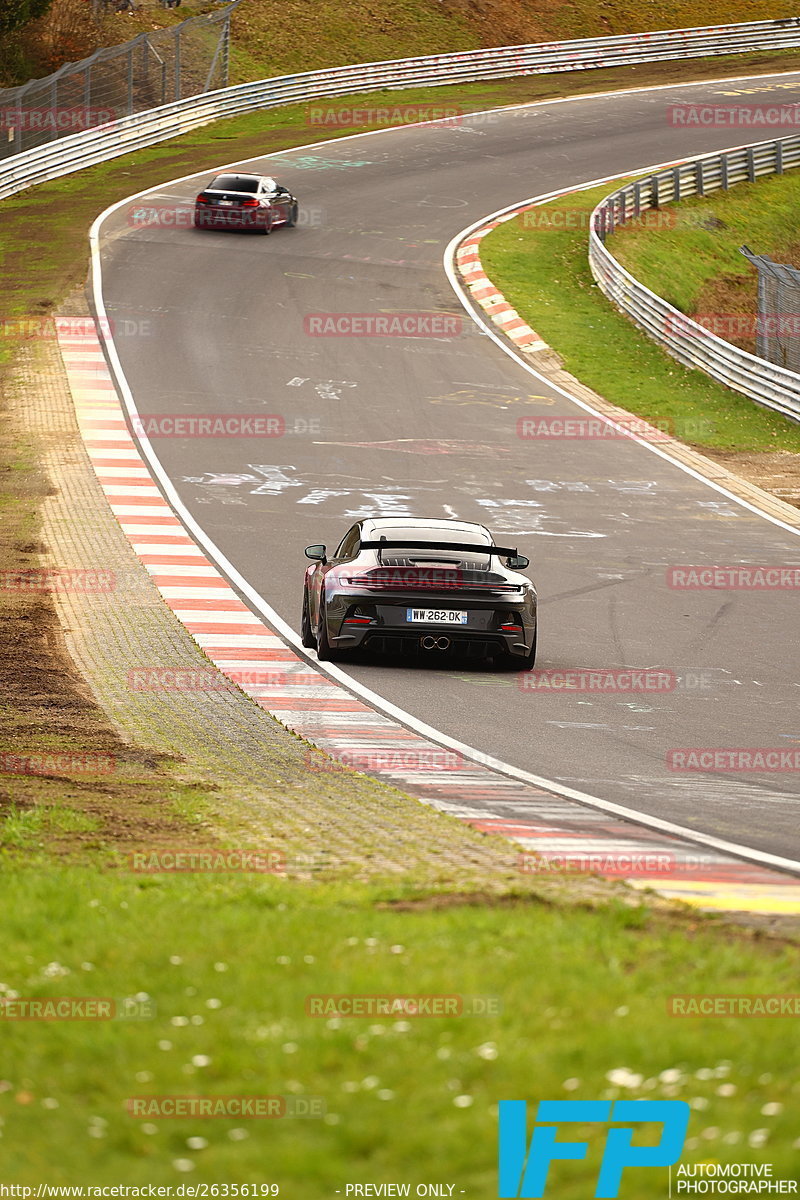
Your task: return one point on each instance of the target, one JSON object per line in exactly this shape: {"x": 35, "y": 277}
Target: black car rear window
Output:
{"x": 474, "y": 537}
{"x": 234, "y": 183}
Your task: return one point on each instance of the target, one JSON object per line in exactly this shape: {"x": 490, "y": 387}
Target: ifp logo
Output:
{"x": 524, "y": 1170}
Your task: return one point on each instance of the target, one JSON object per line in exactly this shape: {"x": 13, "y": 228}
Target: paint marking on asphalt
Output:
{"x": 318, "y": 707}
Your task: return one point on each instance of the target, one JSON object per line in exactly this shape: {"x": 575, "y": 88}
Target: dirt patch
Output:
{"x": 56, "y": 745}
{"x": 733, "y": 296}
{"x": 778, "y": 473}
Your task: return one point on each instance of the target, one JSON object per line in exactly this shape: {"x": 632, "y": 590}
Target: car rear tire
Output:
{"x": 306, "y": 632}
{"x": 525, "y": 662}
{"x": 291, "y": 217}
{"x": 325, "y": 652}
{"x": 267, "y": 226}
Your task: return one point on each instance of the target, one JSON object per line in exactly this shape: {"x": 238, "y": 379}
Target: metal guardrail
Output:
{"x": 688, "y": 341}
{"x": 79, "y": 150}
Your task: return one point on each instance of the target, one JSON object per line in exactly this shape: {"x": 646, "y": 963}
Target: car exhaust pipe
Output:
{"x": 435, "y": 643}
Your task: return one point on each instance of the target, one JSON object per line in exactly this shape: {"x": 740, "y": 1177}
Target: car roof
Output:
{"x": 384, "y": 525}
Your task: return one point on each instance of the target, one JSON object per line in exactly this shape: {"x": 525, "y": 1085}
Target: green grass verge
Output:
{"x": 228, "y": 962}
{"x": 543, "y": 271}
{"x": 701, "y": 248}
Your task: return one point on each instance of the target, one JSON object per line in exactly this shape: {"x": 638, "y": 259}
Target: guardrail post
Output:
{"x": 723, "y": 171}
{"x": 654, "y": 201}
{"x": 18, "y": 125}
{"x": 226, "y": 50}
{"x": 751, "y": 164}
{"x": 699, "y": 186}
{"x": 779, "y": 158}
{"x": 177, "y": 62}
{"x": 637, "y": 200}
{"x": 676, "y": 183}
{"x": 54, "y": 107}
{"x": 130, "y": 81}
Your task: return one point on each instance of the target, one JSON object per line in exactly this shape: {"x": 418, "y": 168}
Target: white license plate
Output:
{"x": 435, "y": 616}
{"x": 225, "y": 203}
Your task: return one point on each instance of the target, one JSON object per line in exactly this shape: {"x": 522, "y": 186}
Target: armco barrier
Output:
{"x": 72, "y": 153}
{"x": 686, "y": 340}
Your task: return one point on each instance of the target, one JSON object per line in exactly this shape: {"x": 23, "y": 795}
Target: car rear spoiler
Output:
{"x": 384, "y": 544}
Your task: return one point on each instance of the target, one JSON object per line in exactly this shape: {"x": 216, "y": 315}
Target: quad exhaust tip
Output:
{"x": 435, "y": 643}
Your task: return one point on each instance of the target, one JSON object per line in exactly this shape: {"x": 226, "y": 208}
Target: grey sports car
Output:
{"x": 420, "y": 586}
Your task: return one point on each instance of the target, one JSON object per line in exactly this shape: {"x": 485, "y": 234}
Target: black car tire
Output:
{"x": 306, "y": 632}
{"x": 267, "y": 226}
{"x": 291, "y": 216}
{"x": 525, "y": 662}
{"x": 325, "y": 652}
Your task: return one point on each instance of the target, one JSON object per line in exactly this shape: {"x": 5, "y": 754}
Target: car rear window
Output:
{"x": 234, "y": 183}
{"x": 472, "y": 537}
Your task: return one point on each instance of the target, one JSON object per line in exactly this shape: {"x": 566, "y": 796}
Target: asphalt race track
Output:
{"x": 213, "y": 322}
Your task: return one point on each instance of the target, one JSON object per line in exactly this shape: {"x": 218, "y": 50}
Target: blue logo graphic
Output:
{"x": 523, "y": 1170}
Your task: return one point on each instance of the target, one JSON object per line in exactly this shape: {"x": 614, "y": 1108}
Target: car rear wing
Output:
{"x": 385, "y": 544}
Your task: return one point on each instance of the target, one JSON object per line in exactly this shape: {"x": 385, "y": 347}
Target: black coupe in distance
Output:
{"x": 245, "y": 202}
{"x": 419, "y": 587}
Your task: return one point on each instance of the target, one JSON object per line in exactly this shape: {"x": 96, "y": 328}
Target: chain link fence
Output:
{"x": 778, "y": 321}
{"x": 152, "y": 69}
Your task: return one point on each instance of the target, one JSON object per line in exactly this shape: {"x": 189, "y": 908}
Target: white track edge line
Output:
{"x": 285, "y": 630}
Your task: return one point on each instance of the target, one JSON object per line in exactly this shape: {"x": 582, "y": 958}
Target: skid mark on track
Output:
{"x": 318, "y": 708}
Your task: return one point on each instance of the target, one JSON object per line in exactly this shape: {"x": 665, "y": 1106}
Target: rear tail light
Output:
{"x": 510, "y": 622}
{"x": 249, "y": 203}
{"x": 361, "y": 615}
{"x": 202, "y": 200}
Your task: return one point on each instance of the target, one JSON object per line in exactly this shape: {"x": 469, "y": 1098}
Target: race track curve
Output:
{"x": 216, "y": 323}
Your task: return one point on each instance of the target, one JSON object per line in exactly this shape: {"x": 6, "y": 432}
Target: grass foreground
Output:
{"x": 215, "y": 974}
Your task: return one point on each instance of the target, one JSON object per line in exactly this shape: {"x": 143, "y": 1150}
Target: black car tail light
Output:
{"x": 361, "y": 615}
{"x": 510, "y": 622}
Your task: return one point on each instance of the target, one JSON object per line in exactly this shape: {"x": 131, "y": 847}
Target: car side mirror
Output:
{"x": 518, "y": 563}
{"x": 316, "y": 553}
